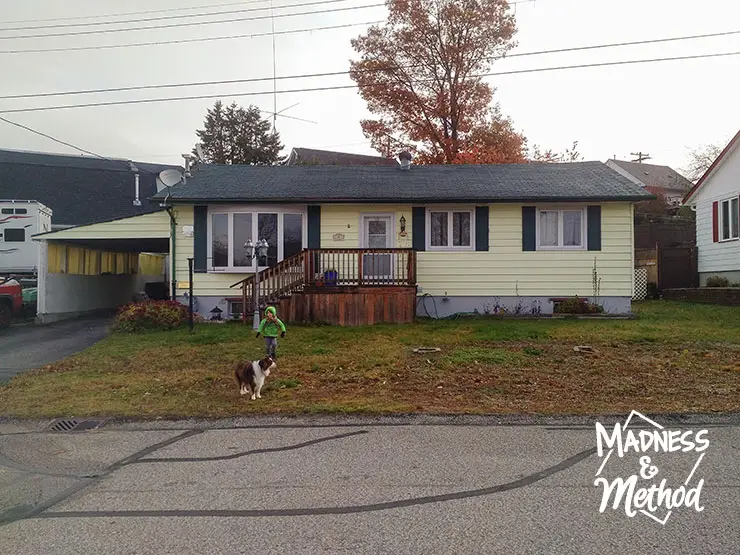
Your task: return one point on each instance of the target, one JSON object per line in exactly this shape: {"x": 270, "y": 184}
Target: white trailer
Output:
{"x": 19, "y": 221}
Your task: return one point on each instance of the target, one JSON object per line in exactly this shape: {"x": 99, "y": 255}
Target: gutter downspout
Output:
{"x": 173, "y": 253}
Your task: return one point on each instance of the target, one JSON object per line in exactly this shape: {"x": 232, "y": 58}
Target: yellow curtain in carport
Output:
{"x": 75, "y": 260}
{"x": 151, "y": 264}
{"x": 107, "y": 263}
{"x": 56, "y": 258}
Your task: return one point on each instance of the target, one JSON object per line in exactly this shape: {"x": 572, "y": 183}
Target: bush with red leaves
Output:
{"x": 152, "y": 315}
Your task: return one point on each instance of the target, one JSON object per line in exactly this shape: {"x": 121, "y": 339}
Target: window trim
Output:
{"x": 720, "y": 219}
{"x": 449, "y": 247}
{"x": 230, "y": 210}
{"x": 560, "y": 247}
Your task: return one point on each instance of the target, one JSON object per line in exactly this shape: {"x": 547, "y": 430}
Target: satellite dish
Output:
{"x": 170, "y": 178}
{"x": 199, "y": 152}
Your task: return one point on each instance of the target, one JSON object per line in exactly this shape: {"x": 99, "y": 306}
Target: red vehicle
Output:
{"x": 11, "y": 301}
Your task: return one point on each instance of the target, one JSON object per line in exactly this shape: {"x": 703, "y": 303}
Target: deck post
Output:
{"x": 360, "y": 257}
{"x": 412, "y": 268}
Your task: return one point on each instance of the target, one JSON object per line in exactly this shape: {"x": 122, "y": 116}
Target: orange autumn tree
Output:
{"x": 420, "y": 76}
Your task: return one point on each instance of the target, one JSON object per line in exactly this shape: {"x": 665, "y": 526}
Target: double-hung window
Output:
{"x": 230, "y": 229}
{"x": 450, "y": 229}
{"x": 561, "y": 229}
{"x": 729, "y": 214}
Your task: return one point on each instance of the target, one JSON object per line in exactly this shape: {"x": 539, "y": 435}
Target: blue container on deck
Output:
{"x": 330, "y": 278}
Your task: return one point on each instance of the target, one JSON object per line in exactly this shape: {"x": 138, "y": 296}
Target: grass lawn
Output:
{"x": 675, "y": 357}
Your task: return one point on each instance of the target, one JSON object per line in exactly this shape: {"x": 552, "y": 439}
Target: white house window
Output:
{"x": 230, "y": 229}
{"x": 729, "y": 225}
{"x": 220, "y": 240}
{"x": 560, "y": 229}
{"x": 242, "y": 224}
{"x": 450, "y": 229}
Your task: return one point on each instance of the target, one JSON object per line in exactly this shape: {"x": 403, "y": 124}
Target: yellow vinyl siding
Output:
{"x": 214, "y": 284}
{"x": 345, "y": 220}
{"x": 504, "y": 268}
{"x": 507, "y": 270}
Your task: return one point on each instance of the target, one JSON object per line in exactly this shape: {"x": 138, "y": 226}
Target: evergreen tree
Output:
{"x": 235, "y": 135}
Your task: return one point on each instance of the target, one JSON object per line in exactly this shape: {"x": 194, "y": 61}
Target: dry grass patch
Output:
{"x": 673, "y": 358}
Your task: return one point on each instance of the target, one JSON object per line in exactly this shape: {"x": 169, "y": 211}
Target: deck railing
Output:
{"x": 360, "y": 267}
{"x": 330, "y": 268}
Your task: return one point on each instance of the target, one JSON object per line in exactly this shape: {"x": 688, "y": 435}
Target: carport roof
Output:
{"x": 141, "y": 233}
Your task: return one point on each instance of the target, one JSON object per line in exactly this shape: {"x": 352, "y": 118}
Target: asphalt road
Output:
{"x": 423, "y": 486}
{"x": 25, "y": 347}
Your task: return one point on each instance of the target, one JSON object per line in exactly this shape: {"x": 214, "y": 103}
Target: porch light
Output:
{"x": 403, "y": 224}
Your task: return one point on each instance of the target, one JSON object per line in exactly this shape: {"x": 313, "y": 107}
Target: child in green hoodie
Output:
{"x": 269, "y": 328}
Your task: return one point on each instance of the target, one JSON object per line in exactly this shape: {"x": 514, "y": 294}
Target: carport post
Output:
{"x": 190, "y": 294}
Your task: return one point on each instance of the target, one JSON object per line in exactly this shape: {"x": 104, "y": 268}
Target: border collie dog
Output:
{"x": 251, "y": 375}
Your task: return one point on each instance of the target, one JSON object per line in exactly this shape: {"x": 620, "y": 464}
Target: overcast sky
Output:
{"x": 661, "y": 108}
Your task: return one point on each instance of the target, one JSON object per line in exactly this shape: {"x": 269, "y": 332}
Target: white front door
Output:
{"x": 377, "y": 234}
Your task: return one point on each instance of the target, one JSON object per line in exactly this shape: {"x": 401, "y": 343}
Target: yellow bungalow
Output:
{"x": 362, "y": 244}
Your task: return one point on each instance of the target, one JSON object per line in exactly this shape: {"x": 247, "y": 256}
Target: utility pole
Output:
{"x": 274, "y": 75}
{"x": 640, "y": 156}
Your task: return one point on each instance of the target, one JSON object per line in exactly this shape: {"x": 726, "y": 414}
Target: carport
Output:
{"x": 98, "y": 267}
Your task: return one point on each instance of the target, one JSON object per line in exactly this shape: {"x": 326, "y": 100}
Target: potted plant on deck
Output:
{"x": 330, "y": 277}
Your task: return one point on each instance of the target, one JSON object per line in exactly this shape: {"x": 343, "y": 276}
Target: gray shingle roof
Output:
{"x": 582, "y": 181}
{"x": 78, "y": 189}
{"x": 661, "y": 177}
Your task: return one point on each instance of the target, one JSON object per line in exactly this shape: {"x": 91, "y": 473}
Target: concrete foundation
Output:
{"x": 441, "y": 307}
{"x": 731, "y": 276}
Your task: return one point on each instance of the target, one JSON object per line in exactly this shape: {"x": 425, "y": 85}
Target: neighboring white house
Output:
{"x": 716, "y": 199}
{"x": 659, "y": 180}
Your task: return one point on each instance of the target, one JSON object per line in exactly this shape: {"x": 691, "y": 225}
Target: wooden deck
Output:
{"x": 350, "y": 306}
{"x": 345, "y": 287}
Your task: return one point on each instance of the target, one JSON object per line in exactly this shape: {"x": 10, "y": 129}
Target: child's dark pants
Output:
{"x": 271, "y": 346}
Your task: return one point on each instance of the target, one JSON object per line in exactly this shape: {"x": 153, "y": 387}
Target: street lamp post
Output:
{"x": 256, "y": 251}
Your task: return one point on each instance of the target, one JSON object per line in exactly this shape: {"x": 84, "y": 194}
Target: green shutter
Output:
{"x": 200, "y": 239}
{"x": 529, "y": 228}
{"x": 481, "y": 228}
{"x": 314, "y": 227}
{"x": 418, "y": 228}
{"x": 593, "y": 222}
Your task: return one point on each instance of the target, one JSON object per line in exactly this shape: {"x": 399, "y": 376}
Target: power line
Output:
{"x": 340, "y": 87}
{"x": 183, "y": 41}
{"x": 74, "y": 147}
{"x": 167, "y": 17}
{"x": 336, "y": 73}
{"x": 70, "y": 145}
{"x": 169, "y": 10}
{"x": 72, "y": 18}
{"x": 191, "y": 23}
